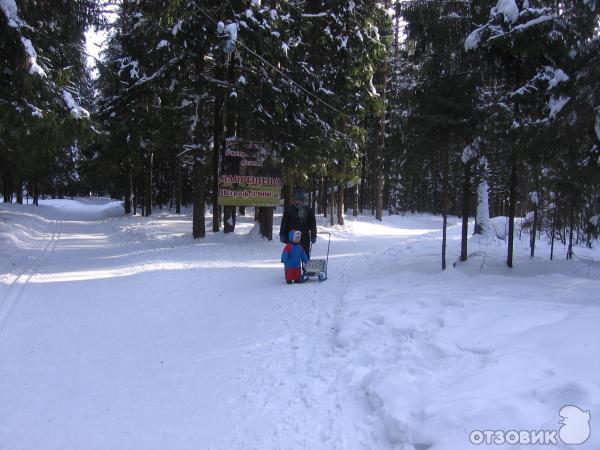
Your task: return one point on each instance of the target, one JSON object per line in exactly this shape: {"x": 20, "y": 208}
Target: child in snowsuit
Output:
{"x": 292, "y": 257}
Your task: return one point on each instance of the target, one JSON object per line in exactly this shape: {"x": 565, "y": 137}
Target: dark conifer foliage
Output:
{"x": 452, "y": 107}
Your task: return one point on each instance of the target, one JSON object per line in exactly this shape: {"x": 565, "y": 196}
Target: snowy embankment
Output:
{"x": 123, "y": 332}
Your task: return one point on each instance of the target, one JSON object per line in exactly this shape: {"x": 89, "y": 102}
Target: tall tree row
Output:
{"x": 45, "y": 94}
{"x": 452, "y": 107}
{"x": 181, "y": 78}
{"x": 499, "y": 95}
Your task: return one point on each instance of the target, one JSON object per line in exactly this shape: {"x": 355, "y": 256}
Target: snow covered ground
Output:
{"x": 125, "y": 333}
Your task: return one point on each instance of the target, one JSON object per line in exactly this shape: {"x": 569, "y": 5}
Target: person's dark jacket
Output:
{"x": 296, "y": 219}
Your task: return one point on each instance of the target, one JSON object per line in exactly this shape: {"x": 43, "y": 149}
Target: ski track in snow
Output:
{"x": 129, "y": 334}
{"x": 16, "y": 288}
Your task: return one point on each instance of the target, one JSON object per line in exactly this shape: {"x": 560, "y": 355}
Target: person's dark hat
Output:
{"x": 300, "y": 195}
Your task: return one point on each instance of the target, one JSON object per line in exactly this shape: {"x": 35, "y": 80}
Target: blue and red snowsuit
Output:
{"x": 292, "y": 257}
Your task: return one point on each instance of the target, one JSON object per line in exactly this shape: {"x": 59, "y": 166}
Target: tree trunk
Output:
{"x": 288, "y": 191}
{"x": 482, "y": 225}
{"x": 229, "y": 219}
{"x": 135, "y": 197}
{"x": 198, "y": 220}
{"x": 571, "y": 225}
{"x": 230, "y": 212}
{"x": 36, "y": 193}
{"x": 20, "y": 192}
{"x": 340, "y": 204}
{"x": 512, "y": 196}
{"x": 533, "y": 231}
{"x": 346, "y": 200}
{"x": 553, "y": 233}
{"x": 534, "y": 225}
{"x": 355, "y": 201}
{"x": 265, "y": 220}
{"x": 148, "y": 188}
{"x": 128, "y": 195}
{"x": 320, "y": 199}
{"x": 465, "y": 213}
{"x": 6, "y": 188}
{"x": 217, "y": 139}
{"x": 379, "y": 194}
{"x": 324, "y": 201}
{"x": 178, "y": 187}
{"x": 445, "y": 174}
{"x": 332, "y": 205}
{"x": 379, "y": 176}
{"x": 363, "y": 182}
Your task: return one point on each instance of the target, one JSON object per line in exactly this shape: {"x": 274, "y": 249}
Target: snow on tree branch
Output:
{"x": 504, "y": 21}
{"x": 471, "y": 151}
{"x": 9, "y": 8}
{"x": 508, "y": 8}
{"x": 76, "y": 111}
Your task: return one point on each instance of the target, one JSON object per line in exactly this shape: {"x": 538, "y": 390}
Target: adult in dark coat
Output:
{"x": 299, "y": 217}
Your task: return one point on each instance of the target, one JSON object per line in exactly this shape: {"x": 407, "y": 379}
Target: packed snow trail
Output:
{"x": 123, "y": 332}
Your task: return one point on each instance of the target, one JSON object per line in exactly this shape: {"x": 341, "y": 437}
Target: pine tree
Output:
{"x": 44, "y": 79}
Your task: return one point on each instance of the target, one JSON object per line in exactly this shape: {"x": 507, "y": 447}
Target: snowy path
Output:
{"x": 120, "y": 332}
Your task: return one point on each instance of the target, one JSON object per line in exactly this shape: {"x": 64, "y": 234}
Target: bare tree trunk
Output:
{"x": 482, "y": 224}
{"x": 20, "y": 192}
{"x": 7, "y": 188}
{"x": 379, "y": 193}
{"x": 512, "y": 206}
{"x": 198, "y": 219}
{"x": 217, "y": 139}
{"x": 288, "y": 192}
{"x": 178, "y": 187}
{"x": 533, "y": 229}
{"x": 230, "y": 212}
{"x": 148, "y": 187}
{"x": 355, "y": 201}
{"x": 379, "y": 176}
{"x": 346, "y": 200}
{"x": 571, "y": 225}
{"x": 229, "y": 219}
{"x": 553, "y": 232}
{"x": 320, "y": 199}
{"x": 363, "y": 181}
{"x": 445, "y": 174}
{"x": 340, "y": 204}
{"x": 36, "y": 193}
{"x": 465, "y": 213}
{"x": 332, "y": 204}
{"x": 135, "y": 197}
{"x": 324, "y": 198}
{"x": 128, "y": 195}
{"x": 265, "y": 220}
